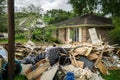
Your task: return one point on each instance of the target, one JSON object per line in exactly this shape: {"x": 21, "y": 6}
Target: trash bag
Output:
{"x": 64, "y": 60}
{"x": 18, "y": 69}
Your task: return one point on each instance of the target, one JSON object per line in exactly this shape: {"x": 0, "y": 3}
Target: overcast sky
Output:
{"x": 45, "y": 4}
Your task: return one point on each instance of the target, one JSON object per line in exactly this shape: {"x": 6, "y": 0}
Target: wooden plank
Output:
{"x": 80, "y": 51}
{"x": 113, "y": 67}
{"x": 80, "y": 64}
{"x": 88, "y": 51}
{"x": 47, "y": 75}
{"x": 25, "y": 67}
{"x": 93, "y": 36}
{"x": 100, "y": 56}
{"x": 37, "y": 72}
{"x": 93, "y": 56}
{"x": 36, "y": 65}
{"x": 102, "y": 68}
{"x": 73, "y": 60}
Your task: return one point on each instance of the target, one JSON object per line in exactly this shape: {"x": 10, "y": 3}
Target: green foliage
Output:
{"x": 105, "y": 7}
{"x": 20, "y": 77}
{"x": 3, "y": 17}
{"x": 19, "y": 36}
{"x": 115, "y": 34}
{"x": 83, "y": 6}
{"x": 27, "y": 17}
{"x": 3, "y": 23}
{"x": 55, "y": 16}
{"x": 114, "y": 75}
{"x": 111, "y": 7}
{"x": 45, "y": 34}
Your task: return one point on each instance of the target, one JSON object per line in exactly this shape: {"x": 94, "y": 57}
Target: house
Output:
{"x": 30, "y": 23}
{"x": 76, "y": 29}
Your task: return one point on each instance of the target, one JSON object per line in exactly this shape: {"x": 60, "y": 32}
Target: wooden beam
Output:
{"x": 11, "y": 40}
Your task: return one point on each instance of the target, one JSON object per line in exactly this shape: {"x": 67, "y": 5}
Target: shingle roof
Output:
{"x": 88, "y": 19}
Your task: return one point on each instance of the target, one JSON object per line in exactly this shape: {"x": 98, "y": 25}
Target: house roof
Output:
{"x": 87, "y": 20}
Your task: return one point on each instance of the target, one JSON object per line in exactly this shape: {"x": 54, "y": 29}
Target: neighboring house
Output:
{"x": 76, "y": 29}
{"x": 30, "y": 23}
{"x": 39, "y": 23}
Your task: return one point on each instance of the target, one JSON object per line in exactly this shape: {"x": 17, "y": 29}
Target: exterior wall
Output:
{"x": 103, "y": 32}
{"x": 62, "y": 35}
{"x": 84, "y": 34}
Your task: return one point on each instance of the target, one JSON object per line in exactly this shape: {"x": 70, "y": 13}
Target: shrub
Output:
{"x": 19, "y": 36}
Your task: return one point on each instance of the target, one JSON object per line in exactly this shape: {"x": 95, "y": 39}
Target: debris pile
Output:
{"x": 85, "y": 61}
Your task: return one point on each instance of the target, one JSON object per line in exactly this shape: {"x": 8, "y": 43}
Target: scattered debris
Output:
{"x": 84, "y": 60}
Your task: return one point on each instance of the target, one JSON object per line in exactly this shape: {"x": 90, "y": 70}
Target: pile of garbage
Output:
{"x": 77, "y": 61}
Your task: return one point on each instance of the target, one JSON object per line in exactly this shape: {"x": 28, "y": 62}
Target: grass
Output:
{"x": 17, "y": 40}
{"x": 3, "y": 40}
{"x": 114, "y": 75}
{"x": 20, "y": 77}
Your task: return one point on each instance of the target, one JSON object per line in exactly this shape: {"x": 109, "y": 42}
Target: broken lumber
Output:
{"x": 100, "y": 56}
{"x": 79, "y": 63}
{"x": 38, "y": 71}
{"x": 81, "y": 51}
{"x": 36, "y": 65}
{"x": 47, "y": 75}
{"x": 102, "y": 68}
{"x": 73, "y": 60}
{"x": 93, "y": 56}
{"x": 88, "y": 51}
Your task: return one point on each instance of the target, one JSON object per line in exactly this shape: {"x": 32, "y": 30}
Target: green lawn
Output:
{"x": 20, "y": 77}
{"x": 114, "y": 75}
{"x": 17, "y": 40}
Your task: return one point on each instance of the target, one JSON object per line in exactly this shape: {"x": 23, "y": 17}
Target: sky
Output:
{"x": 45, "y": 4}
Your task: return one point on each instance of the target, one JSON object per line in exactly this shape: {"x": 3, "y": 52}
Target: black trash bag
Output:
{"x": 18, "y": 69}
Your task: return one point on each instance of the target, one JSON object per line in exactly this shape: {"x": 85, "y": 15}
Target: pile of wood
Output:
{"x": 103, "y": 56}
{"x": 23, "y": 50}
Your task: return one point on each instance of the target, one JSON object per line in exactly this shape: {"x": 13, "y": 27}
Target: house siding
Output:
{"x": 103, "y": 32}
{"x": 61, "y": 35}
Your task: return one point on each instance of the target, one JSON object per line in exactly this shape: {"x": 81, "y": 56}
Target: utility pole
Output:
{"x": 11, "y": 40}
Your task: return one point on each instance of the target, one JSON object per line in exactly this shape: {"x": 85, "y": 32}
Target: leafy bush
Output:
{"x": 44, "y": 35}
{"x": 115, "y": 34}
{"x": 53, "y": 39}
{"x": 19, "y": 36}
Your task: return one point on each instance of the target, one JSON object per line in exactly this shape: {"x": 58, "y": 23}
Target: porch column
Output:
{"x": 68, "y": 35}
{"x": 80, "y": 34}
{"x": 84, "y": 34}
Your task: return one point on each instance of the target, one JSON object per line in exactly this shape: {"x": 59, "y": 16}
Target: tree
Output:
{"x": 55, "y": 16}
{"x": 115, "y": 34}
{"x": 3, "y": 17}
{"x": 33, "y": 10}
{"x": 83, "y": 6}
{"x": 111, "y": 7}
{"x": 104, "y": 6}
{"x": 27, "y": 17}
